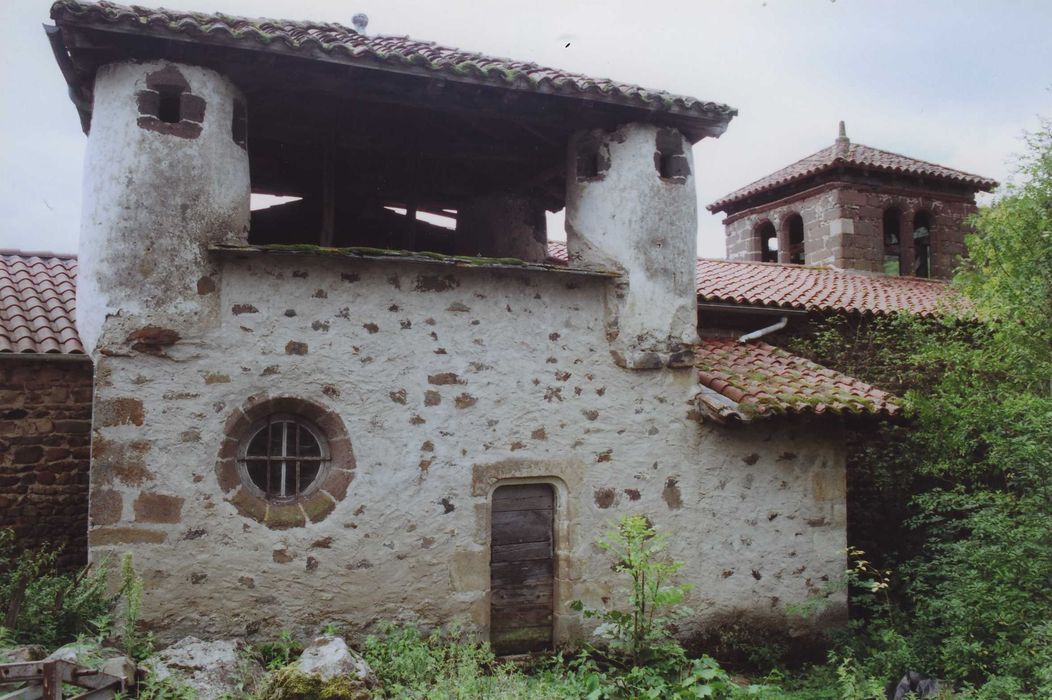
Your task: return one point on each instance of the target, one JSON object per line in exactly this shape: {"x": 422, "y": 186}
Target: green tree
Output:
{"x": 982, "y": 589}
{"x": 959, "y": 501}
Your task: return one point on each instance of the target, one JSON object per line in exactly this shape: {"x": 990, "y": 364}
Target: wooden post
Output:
{"x": 51, "y": 681}
{"x": 328, "y": 192}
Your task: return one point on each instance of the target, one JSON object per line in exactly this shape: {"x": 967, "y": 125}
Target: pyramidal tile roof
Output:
{"x": 810, "y": 288}
{"x": 843, "y": 153}
{"x": 336, "y": 42}
{"x": 38, "y": 303}
{"x": 746, "y": 381}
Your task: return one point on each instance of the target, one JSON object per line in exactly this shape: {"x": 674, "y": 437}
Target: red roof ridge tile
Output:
{"x": 42, "y": 254}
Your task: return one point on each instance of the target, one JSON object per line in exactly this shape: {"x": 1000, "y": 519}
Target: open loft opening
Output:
{"x": 893, "y": 247}
{"x": 373, "y": 174}
{"x": 794, "y": 236}
{"x": 371, "y": 137}
{"x": 768, "y": 240}
{"x": 922, "y": 244}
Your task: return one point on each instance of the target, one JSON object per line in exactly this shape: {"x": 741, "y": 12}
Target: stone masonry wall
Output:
{"x": 843, "y": 227}
{"x": 45, "y": 423}
{"x": 862, "y": 247}
{"x": 448, "y": 382}
{"x": 818, "y": 213}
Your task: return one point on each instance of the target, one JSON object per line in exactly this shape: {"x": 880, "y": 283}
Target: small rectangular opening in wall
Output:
{"x": 587, "y": 165}
{"x": 169, "y": 109}
{"x": 239, "y": 124}
{"x": 669, "y": 159}
{"x": 673, "y": 166}
{"x": 592, "y": 162}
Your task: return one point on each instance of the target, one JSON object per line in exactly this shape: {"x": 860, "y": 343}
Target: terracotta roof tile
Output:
{"x": 346, "y": 45}
{"x": 819, "y": 288}
{"x": 745, "y": 381}
{"x": 38, "y": 303}
{"x": 810, "y": 288}
{"x": 846, "y": 154}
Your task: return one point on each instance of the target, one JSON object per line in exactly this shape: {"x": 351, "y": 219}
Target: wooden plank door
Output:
{"x": 522, "y": 568}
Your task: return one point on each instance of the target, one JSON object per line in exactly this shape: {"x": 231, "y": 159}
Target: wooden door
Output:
{"x": 522, "y": 568}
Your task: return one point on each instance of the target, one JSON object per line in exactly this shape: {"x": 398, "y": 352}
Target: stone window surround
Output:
{"x": 314, "y": 505}
{"x": 164, "y": 85}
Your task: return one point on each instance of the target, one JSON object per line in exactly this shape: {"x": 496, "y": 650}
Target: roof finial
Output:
{"x": 842, "y": 141}
{"x": 360, "y": 22}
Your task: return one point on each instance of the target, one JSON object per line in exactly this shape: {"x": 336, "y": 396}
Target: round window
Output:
{"x": 283, "y": 457}
{"x": 284, "y": 461}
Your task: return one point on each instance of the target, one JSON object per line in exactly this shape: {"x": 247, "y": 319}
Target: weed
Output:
{"x": 277, "y": 653}
{"x": 39, "y": 605}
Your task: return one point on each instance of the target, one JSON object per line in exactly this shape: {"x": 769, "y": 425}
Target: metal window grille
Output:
{"x": 283, "y": 457}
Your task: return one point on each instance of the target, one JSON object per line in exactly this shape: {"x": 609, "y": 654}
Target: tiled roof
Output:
{"x": 745, "y": 381}
{"x": 822, "y": 289}
{"x": 809, "y": 288}
{"x": 38, "y": 303}
{"x": 335, "y": 42}
{"x": 843, "y": 153}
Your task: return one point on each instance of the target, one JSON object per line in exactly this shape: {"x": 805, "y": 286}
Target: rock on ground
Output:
{"x": 22, "y": 653}
{"x": 209, "y": 668}
{"x": 329, "y": 657}
{"x": 82, "y": 653}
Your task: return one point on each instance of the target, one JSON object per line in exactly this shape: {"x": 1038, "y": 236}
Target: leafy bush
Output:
{"x": 169, "y": 688}
{"x": 640, "y": 658}
{"x": 411, "y": 663}
{"x": 41, "y": 605}
{"x": 640, "y": 634}
{"x": 981, "y": 591}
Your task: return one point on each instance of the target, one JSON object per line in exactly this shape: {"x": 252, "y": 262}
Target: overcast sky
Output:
{"x": 955, "y": 82}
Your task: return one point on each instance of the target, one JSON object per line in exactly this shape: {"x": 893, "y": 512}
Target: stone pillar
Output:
{"x": 784, "y": 256}
{"x": 502, "y": 226}
{"x": 165, "y": 175}
{"x": 631, "y": 206}
{"x": 905, "y": 242}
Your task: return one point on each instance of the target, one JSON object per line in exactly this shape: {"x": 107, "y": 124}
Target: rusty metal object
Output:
{"x": 43, "y": 680}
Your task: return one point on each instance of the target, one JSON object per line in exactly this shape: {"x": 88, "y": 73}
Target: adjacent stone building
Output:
{"x": 332, "y": 411}
{"x": 45, "y": 406}
{"x": 855, "y": 207}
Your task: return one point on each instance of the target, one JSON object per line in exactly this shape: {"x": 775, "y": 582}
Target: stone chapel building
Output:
{"x": 333, "y": 410}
